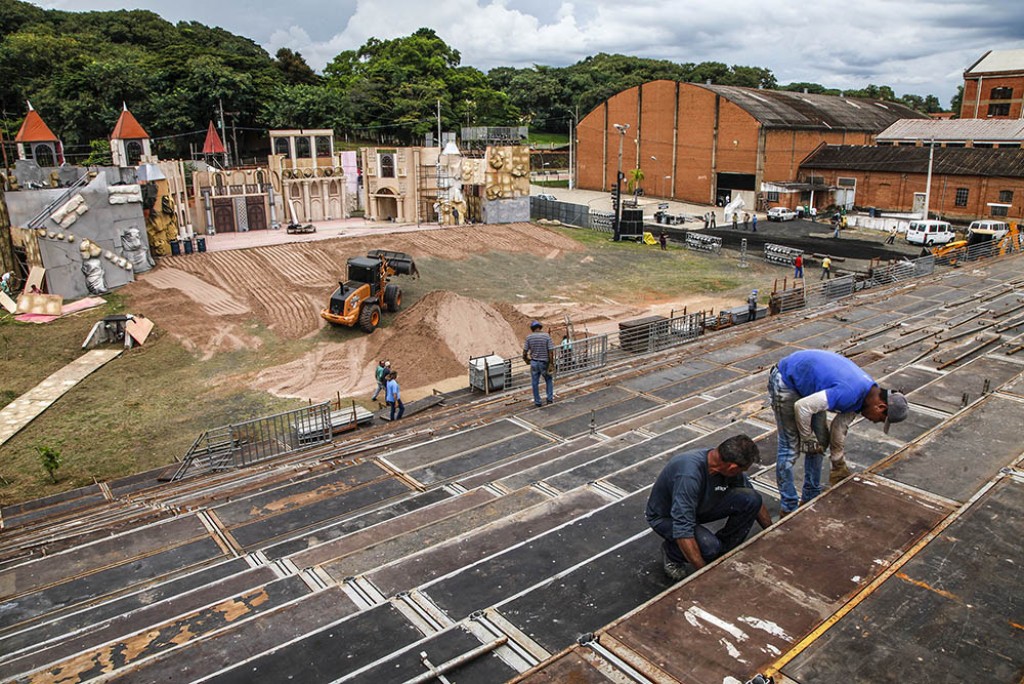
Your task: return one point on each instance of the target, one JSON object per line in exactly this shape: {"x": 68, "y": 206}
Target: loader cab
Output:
{"x": 363, "y": 270}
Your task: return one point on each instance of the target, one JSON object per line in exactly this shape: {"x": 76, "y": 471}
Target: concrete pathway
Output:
{"x": 25, "y": 408}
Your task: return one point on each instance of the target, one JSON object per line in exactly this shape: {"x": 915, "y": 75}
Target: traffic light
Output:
{"x": 615, "y": 198}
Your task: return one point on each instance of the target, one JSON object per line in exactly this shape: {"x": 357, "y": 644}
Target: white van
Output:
{"x": 930, "y": 233}
{"x": 995, "y": 229}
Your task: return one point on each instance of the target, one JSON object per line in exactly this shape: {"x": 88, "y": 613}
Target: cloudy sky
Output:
{"x": 915, "y": 46}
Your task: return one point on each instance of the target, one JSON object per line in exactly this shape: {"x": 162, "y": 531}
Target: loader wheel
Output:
{"x": 393, "y": 297}
{"x": 369, "y": 318}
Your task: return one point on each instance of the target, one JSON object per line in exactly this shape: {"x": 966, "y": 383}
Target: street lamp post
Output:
{"x": 621, "y": 128}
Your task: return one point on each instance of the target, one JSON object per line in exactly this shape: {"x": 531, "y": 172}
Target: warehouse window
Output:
{"x": 999, "y": 109}
{"x": 961, "y": 197}
{"x": 772, "y": 196}
{"x": 1006, "y": 196}
{"x": 846, "y": 182}
{"x": 1001, "y": 94}
{"x": 1000, "y": 210}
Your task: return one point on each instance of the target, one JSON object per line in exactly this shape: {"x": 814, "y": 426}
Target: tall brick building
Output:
{"x": 994, "y": 86}
{"x": 709, "y": 143}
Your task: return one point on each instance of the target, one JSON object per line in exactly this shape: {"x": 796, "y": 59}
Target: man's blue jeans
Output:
{"x": 537, "y": 369}
{"x": 783, "y": 406}
{"x": 740, "y": 505}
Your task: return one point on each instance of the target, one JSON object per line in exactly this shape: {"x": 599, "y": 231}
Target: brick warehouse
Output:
{"x": 967, "y": 183}
{"x": 706, "y": 143}
{"x": 994, "y": 86}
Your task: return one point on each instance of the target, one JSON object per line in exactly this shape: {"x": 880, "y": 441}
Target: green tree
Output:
{"x": 294, "y": 68}
{"x": 956, "y": 103}
{"x": 635, "y": 178}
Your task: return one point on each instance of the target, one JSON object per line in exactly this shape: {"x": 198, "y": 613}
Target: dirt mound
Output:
{"x": 429, "y": 342}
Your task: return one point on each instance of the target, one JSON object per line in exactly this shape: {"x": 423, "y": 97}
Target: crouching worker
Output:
{"x": 699, "y": 487}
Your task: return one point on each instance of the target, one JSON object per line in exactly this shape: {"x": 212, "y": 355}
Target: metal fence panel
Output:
{"x": 242, "y": 444}
{"x": 563, "y": 212}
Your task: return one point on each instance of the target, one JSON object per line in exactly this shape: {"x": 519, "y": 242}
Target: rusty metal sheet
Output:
{"x": 162, "y": 637}
{"x": 471, "y": 461}
{"x": 965, "y": 452}
{"x": 946, "y": 393}
{"x": 440, "y": 449}
{"x": 759, "y": 601}
{"x": 302, "y": 517}
{"x": 281, "y": 499}
{"x": 498, "y": 535}
{"x": 951, "y": 614}
{"x": 667, "y": 376}
{"x": 168, "y": 591}
{"x": 571, "y": 667}
{"x": 362, "y": 556}
{"x": 83, "y": 560}
{"x": 133, "y": 573}
{"x": 198, "y": 659}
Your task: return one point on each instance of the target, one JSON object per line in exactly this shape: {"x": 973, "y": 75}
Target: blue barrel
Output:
{"x": 188, "y": 246}
{"x": 200, "y": 244}
{"x": 175, "y": 248}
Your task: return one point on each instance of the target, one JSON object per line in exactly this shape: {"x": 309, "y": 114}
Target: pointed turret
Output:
{"x": 129, "y": 143}
{"x": 213, "y": 144}
{"x": 36, "y": 141}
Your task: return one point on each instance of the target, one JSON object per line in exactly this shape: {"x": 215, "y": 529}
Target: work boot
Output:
{"x": 838, "y": 474}
{"x": 674, "y": 571}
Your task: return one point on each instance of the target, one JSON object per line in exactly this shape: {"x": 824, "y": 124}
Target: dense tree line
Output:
{"x": 78, "y": 68}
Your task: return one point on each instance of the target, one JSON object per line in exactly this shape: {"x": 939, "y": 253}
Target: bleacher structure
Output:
{"x": 488, "y": 541}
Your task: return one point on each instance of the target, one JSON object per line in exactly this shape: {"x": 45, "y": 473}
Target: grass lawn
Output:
{"x": 144, "y": 409}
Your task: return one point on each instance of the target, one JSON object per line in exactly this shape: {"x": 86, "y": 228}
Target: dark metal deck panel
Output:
{"x": 484, "y": 540}
{"x": 80, "y": 590}
{"x": 951, "y": 614}
{"x": 163, "y": 637}
{"x": 294, "y": 495}
{"x": 506, "y": 574}
{"x": 604, "y": 416}
{"x": 263, "y": 530}
{"x": 667, "y": 376}
{"x": 590, "y": 596}
{"x": 440, "y": 648}
{"x": 248, "y": 639}
{"x": 322, "y": 535}
{"x": 946, "y": 394}
{"x": 331, "y": 652}
{"x": 571, "y": 407}
{"x": 571, "y": 667}
{"x": 538, "y": 457}
{"x": 470, "y": 462}
{"x": 570, "y": 461}
{"x": 392, "y": 547}
{"x": 965, "y": 452}
{"x": 467, "y": 440}
{"x": 49, "y": 643}
{"x": 763, "y": 598}
{"x": 697, "y": 383}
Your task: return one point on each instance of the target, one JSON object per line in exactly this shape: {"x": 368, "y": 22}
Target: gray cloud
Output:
{"x": 918, "y": 46}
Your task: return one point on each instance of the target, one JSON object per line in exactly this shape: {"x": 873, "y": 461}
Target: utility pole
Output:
{"x": 928, "y": 183}
{"x": 621, "y": 128}
{"x": 223, "y": 131}
{"x": 439, "y": 144}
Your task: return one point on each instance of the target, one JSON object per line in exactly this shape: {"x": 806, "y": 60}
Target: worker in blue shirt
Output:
{"x": 698, "y": 487}
{"x": 803, "y": 387}
{"x": 393, "y": 395}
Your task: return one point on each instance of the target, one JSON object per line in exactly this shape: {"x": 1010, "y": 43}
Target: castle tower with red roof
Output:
{"x": 129, "y": 143}
{"x": 37, "y": 142}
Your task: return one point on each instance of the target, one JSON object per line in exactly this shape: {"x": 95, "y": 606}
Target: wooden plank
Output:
{"x": 25, "y": 408}
{"x": 139, "y": 329}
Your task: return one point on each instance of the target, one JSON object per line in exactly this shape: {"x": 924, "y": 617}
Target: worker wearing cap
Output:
{"x": 803, "y": 387}
{"x": 538, "y": 350}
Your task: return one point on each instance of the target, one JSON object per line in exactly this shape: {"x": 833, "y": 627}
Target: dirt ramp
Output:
{"x": 429, "y": 342}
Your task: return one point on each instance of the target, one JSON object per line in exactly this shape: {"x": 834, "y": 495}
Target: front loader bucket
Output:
{"x": 400, "y": 262}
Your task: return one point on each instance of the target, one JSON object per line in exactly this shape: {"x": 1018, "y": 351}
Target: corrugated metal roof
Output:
{"x": 997, "y": 61}
{"x": 950, "y": 161}
{"x": 785, "y": 109}
{"x": 959, "y": 130}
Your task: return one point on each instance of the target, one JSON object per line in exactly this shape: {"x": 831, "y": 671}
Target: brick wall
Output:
{"x": 975, "y": 107}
